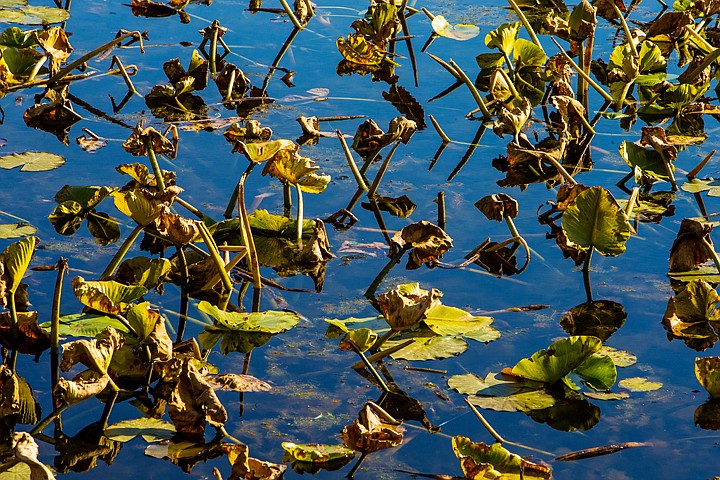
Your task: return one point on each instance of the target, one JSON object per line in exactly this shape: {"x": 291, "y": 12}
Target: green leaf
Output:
{"x": 505, "y": 393}
{"x": 639, "y": 384}
{"x": 527, "y": 54}
{"x": 106, "y": 296}
{"x": 88, "y": 197}
{"x": 479, "y": 461}
{"x": 460, "y": 31}
{"x": 29, "y": 15}
{"x": 258, "y": 152}
{"x": 362, "y": 339}
{"x": 427, "y": 346}
{"x": 707, "y": 371}
{"x": 574, "y": 354}
{"x": 151, "y": 429}
{"x": 607, "y": 396}
{"x": 290, "y": 167}
{"x": 14, "y": 37}
{"x": 596, "y": 219}
{"x": 444, "y": 320}
{"x": 103, "y": 227}
{"x": 697, "y": 185}
{"x": 316, "y": 452}
{"x": 503, "y": 37}
{"x": 67, "y": 217}
{"x": 270, "y": 321}
{"x": 32, "y": 161}
{"x": 16, "y": 230}
{"x": 651, "y": 58}
{"x": 85, "y": 325}
{"x": 16, "y": 258}
{"x": 137, "y": 206}
{"x": 648, "y": 160}
{"x": 143, "y": 271}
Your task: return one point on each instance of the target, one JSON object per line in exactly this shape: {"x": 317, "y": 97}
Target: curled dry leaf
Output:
{"x": 95, "y": 354}
{"x": 370, "y": 433}
{"x": 138, "y": 141}
{"x": 85, "y": 385}
{"x": 178, "y": 229}
{"x": 193, "y": 403}
{"x": 31, "y": 339}
{"x": 245, "y": 467}
{"x": 54, "y": 42}
{"x": 691, "y": 247}
{"x": 571, "y": 114}
{"x": 655, "y": 137}
{"x": 498, "y": 206}
{"x": 290, "y": 167}
{"x": 142, "y": 205}
{"x": 426, "y": 241}
{"x": 26, "y": 450}
{"x": 407, "y": 305}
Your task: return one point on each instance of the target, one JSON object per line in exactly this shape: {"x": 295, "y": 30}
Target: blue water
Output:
{"x": 315, "y": 392}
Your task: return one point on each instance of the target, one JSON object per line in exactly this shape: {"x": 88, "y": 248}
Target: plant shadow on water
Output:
{"x": 305, "y": 268}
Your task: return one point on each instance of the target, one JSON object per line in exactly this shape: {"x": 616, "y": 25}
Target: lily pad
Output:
{"x": 445, "y": 320}
{"x": 151, "y": 429}
{"x": 32, "y": 161}
{"x": 19, "y": 12}
{"x": 16, "y": 230}
{"x": 461, "y": 31}
{"x": 639, "y": 384}
{"x": 85, "y": 325}
{"x": 427, "y": 346}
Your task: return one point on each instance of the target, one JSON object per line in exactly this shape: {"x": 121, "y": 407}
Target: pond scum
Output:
{"x": 119, "y": 348}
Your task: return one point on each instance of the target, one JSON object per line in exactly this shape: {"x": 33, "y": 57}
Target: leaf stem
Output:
{"x": 484, "y": 422}
{"x": 212, "y": 249}
{"x": 381, "y": 172}
{"x": 473, "y": 90}
{"x": 586, "y": 274}
{"x": 120, "y": 254}
{"x": 300, "y": 212}
{"x": 526, "y": 23}
{"x": 580, "y": 72}
{"x": 353, "y": 166}
{"x": 62, "y": 268}
{"x": 159, "y": 180}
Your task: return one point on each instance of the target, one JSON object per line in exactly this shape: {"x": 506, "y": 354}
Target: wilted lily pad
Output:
{"x": 426, "y": 241}
{"x": 317, "y": 452}
{"x": 32, "y": 161}
{"x": 479, "y": 461}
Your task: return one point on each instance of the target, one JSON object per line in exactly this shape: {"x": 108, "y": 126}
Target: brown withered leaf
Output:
{"x": 237, "y": 383}
{"x": 367, "y": 138}
{"x": 31, "y": 340}
{"x": 426, "y": 241}
{"x": 570, "y": 112}
{"x": 149, "y": 8}
{"x": 85, "y": 385}
{"x": 193, "y": 403}
{"x": 671, "y": 23}
{"x": 138, "y": 141}
{"x": 655, "y": 137}
{"x": 54, "y": 42}
{"x": 180, "y": 230}
{"x": 691, "y": 247}
{"x": 56, "y": 118}
{"x": 26, "y": 450}
{"x": 407, "y": 305}
{"x": 498, "y": 206}
{"x": 95, "y": 353}
{"x": 9, "y": 393}
{"x": 240, "y": 86}
{"x": 369, "y": 433}
{"x": 317, "y": 248}
{"x": 311, "y": 127}
{"x": 605, "y": 8}
{"x": 245, "y": 467}
{"x": 567, "y": 194}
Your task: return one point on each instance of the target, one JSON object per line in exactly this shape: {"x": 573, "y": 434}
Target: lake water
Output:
{"x": 315, "y": 392}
